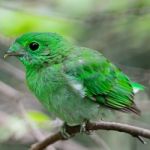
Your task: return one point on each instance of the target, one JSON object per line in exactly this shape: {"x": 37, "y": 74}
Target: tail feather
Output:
{"x": 137, "y": 87}
{"x": 128, "y": 109}
{"x": 133, "y": 109}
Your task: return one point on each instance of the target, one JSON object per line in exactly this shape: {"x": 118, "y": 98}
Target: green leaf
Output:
{"x": 26, "y": 22}
{"x": 38, "y": 117}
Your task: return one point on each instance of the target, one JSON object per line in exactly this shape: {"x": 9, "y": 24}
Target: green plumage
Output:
{"x": 72, "y": 82}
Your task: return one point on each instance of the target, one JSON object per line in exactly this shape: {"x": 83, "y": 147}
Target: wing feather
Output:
{"x": 101, "y": 81}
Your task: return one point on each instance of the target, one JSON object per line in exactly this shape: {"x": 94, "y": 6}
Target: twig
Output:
{"x": 32, "y": 126}
{"x": 37, "y": 134}
{"x": 132, "y": 130}
{"x": 15, "y": 72}
{"x": 141, "y": 139}
{"x": 17, "y": 96}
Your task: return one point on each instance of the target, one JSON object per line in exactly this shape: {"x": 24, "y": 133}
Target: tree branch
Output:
{"x": 120, "y": 127}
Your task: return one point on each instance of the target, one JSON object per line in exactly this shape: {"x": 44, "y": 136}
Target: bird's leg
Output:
{"x": 64, "y": 132}
{"x": 83, "y": 127}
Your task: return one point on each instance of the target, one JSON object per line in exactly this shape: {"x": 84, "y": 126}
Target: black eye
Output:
{"x": 34, "y": 46}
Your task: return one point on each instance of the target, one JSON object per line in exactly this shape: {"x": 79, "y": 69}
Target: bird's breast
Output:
{"x": 44, "y": 83}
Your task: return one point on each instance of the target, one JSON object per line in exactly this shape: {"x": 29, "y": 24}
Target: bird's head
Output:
{"x": 35, "y": 49}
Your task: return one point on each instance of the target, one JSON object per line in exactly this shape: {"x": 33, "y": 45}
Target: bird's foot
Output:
{"x": 64, "y": 132}
{"x": 83, "y": 127}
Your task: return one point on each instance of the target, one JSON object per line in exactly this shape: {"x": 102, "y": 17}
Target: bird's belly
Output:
{"x": 72, "y": 108}
{"x": 59, "y": 99}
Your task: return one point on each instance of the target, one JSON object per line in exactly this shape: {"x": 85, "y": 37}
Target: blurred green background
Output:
{"x": 120, "y": 29}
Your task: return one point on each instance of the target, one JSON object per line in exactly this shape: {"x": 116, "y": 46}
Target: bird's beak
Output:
{"x": 12, "y": 54}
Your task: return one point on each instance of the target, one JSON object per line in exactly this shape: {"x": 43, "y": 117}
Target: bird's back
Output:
{"x": 101, "y": 81}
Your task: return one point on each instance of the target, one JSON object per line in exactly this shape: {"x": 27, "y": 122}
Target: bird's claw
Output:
{"x": 67, "y": 135}
{"x": 64, "y": 132}
{"x": 83, "y": 128}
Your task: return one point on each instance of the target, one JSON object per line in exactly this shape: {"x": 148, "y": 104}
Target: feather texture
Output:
{"x": 73, "y": 83}
{"x": 103, "y": 83}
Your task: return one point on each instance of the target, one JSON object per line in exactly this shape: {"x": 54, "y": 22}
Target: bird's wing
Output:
{"x": 92, "y": 76}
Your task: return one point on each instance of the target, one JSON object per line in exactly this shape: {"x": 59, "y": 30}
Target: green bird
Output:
{"x": 74, "y": 83}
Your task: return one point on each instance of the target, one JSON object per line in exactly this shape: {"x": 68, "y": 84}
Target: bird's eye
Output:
{"x": 34, "y": 46}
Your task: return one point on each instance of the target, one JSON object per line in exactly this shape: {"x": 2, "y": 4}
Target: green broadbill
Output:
{"x": 72, "y": 82}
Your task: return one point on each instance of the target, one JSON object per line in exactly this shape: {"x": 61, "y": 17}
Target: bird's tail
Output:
{"x": 137, "y": 87}
{"x": 133, "y": 108}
